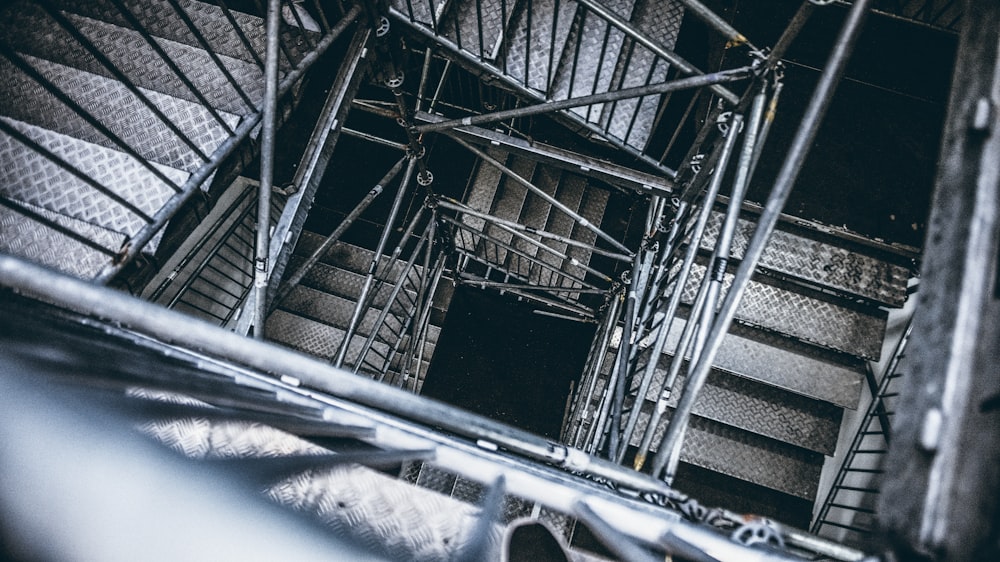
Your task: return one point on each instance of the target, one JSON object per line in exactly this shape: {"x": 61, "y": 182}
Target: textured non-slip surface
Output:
{"x": 115, "y": 107}
{"x": 819, "y": 262}
{"x": 758, "y": 408}
{"x": 30, "y": 177}
{"x": 808, "y": 318}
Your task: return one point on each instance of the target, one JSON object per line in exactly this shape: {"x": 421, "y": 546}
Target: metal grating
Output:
{"x": 547, "y": 42}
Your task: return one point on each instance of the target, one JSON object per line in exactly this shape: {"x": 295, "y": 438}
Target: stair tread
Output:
{"x": 490, "y": 16}
{"x": 23, "y": 236}
{"x": 755, "y": 407}
{"x": 747, "y": 456}
{"x": 510, "y": 200}
{"x": 32, "y": 178}
{"x": 133, "y": 56}
{"x": 117, "y": 108}
{"x": 570, "y": 193}
{"x": 589, "y": 69}
{"x": 595, "y": 201}
{"x": 535, "y": 212}
{"x": 819, "y": 262}
{"x": 810, "y": 319}
{"x": 484, "y": 188}
{"x": 547, "y": 42}
{"x": 778, "y": 361}
{"x": 336, "y": 310}
{"x": 160, "y": 19}
{"x": 631, "y": 120}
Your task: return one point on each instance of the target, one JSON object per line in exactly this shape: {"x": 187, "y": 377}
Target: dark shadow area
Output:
{"x": 497, "y": 358}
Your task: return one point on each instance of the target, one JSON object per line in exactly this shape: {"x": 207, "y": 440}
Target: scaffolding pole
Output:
{"x": 789, "y": 172}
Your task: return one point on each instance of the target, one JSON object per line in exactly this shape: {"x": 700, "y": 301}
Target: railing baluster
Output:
{"x": 211, "y": 53}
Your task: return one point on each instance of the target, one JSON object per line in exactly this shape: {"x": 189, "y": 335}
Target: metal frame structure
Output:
{"x": 635, "y": 316}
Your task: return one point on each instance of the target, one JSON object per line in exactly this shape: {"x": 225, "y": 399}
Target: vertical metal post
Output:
{"x": 675, "y": 298}
{"x": 266, "y": 167}
{"x": 715, "y": 276}
{"x": 789, "y": 172}
{"x": 361, "y": 305}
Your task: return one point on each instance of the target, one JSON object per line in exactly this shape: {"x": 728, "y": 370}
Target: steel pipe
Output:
{"x": 194, "y": 181}
{"x": 295, "y": 278}
{"x": 714, "y": 278}
{"x": 359, "y": 308}
{"x": 698, "y": 81}
{"x": 675, "y": 298}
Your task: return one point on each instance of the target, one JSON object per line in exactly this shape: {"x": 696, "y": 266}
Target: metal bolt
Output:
{"x": 982, "y": 115}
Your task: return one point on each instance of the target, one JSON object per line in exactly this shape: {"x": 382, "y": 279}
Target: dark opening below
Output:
{"x": 497, "y": 358}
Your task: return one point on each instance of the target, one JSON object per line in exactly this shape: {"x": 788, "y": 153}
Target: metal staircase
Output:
{"x": 120, "y": 112}
{"x": 730, "y": 338}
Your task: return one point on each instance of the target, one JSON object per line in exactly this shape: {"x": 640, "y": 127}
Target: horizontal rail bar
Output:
{"x": 698, "y": 81}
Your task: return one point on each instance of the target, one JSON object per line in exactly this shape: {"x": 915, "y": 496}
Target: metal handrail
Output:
{"x": 204, "y": 158}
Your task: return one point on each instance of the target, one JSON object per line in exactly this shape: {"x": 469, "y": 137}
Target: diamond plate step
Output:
{"x": 631, "y": 120}
{"x": 819, "y": 263}
{"x": 348, "y": 256}
{"x": 549, "y": 31}
{"x": 344, "y": 283}
{"x": 478, "y": 27}
{"x": 744, "y": 455}
{"x": 571, "y": 190}
{"x": 160, "y": 19}
{"x": 117, "y": 108}
{"x": 588, "y": 62}
{"x": 535, "y": 214}
{"x": 24, "y": 237}
{"x": 30, "y": 177}
{"x": 314, "y": 338}
{"x": 854, "y": 330}
{"x": 782, "y": 362}
{"x": 595, "y": 201}
{"x": 483, "y": 192}
{"x": 510, "y": 199}
{"x": 753, "y": 406}
{"x": 133, "y": 55}
{"x": 336, "y": 311}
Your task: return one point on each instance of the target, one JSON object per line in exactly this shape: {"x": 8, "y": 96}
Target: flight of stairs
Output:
{"x": 314, "y": 317}
{"x": 129, "y": 160}
{"x": 559, "y": 50}
{"x": 795, "y": 358}
{"x": 494, "y": 193}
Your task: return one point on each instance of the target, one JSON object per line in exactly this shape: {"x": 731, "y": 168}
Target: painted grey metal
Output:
{"x": 262, "y": 254}
{"x": 786, "y": 178}
{"x": 700, "y": 81}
